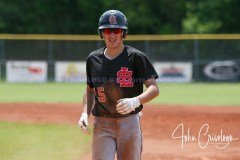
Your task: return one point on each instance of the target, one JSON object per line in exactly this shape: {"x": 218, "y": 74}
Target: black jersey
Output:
{"x": 121, "y": 77}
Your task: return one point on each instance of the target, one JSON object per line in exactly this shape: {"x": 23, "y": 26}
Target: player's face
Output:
{"x": 113, "y": 37}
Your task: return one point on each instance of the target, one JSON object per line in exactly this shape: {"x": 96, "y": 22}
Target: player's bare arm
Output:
{"x": 150, "y": 93}
{"x": 128, "y": 105}
{"x": 90, "y": 100}
{"x": 88, "y": 103}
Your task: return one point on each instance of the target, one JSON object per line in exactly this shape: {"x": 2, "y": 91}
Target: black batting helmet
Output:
{"x": 113, "y": 19}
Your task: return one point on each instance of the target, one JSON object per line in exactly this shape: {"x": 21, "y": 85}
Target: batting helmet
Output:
{"x": 112, "y": 19}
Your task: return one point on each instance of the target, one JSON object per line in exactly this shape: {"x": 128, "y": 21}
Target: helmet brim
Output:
{"x": 112, "y": 26}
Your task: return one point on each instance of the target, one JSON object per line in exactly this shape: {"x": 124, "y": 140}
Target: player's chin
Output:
{"x": 112, "y": 44}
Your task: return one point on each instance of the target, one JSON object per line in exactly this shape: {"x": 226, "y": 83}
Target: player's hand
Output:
{"x": 83, "y": 123}
{"x": 127, "y": 105}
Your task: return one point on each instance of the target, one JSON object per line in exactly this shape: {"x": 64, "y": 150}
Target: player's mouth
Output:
{"x": 113, "y": 40}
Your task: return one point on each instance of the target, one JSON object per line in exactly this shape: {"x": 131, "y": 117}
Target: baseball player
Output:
{"x": 115, "y": 78}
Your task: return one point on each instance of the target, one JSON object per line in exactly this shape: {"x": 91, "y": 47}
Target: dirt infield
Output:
{"x": 203, "y": 132}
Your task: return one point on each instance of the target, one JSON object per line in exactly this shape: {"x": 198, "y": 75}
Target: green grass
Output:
{"x": 199, "y": 94}
{"x": 42, "y": 142}
{"x": 189, "y": 93}
{"x": 46, "y": 92}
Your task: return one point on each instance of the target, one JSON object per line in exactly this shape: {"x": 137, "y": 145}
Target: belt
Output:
{"x": 115, "y": 116}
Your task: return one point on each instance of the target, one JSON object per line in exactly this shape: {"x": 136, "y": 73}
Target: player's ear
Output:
{"x": 103, "y": 35}
{"x": 100, "y": 32}
{"x": 124, "y": 33}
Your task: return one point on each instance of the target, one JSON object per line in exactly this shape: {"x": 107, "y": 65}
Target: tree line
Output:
{"x": 144, "y": 17}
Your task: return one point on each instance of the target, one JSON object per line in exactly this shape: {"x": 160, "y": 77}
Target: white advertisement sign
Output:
{"x": 222, "y": 70}
{"x": 174, "y": 71}
{"x": 70, "y": 72}
{"x": 26, "y": 71}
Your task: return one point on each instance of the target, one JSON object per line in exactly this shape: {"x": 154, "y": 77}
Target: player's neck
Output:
{"x": 112, "y": 53}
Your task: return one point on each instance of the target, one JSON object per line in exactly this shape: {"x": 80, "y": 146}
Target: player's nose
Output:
{"x": 112, "y": 34}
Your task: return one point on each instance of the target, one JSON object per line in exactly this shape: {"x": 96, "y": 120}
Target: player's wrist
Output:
{"x": 84, "y": 117}
{"x": 136, "y": 102}
{"x": 84, "y": 114}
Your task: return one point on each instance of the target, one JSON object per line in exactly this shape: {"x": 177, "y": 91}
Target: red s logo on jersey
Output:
{"x": 124, "y": 77}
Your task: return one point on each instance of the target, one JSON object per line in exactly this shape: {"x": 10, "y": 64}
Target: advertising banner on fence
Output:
{"x": 220, "y": 71}
{"x": 26, "y": 71}
{"x": 70, "y": 72}
{"x": 174, "y": 71}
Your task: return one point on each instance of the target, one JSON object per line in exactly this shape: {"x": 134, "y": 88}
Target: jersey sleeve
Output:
{"x": 88, "y": 70}
{"x": 144, "y": 68}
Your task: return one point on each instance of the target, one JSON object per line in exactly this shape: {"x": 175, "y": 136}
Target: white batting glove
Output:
{"x": 127, "y": 105}
{"x": 83, "y": 123}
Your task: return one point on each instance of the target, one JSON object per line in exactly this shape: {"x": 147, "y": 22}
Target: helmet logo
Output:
{"x": 112, "y": 19}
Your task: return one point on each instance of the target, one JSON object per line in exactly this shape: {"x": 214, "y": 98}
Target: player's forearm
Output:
{"x": 85, "y": 102}
{"x": 150, "y": 93}
{"x": 90, "y": 102}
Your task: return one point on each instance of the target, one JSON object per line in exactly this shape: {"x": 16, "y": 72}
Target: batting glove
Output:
{"x": 83, "y": 123}
{"x": 127, "y": 105}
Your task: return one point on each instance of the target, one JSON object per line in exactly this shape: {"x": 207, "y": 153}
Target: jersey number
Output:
{"x": 101, "y": 95}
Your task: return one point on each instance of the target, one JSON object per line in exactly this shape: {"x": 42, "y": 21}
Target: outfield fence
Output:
{"x": 177, "y": 58}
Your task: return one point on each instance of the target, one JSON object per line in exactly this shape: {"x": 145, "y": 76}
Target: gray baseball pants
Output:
{"x": 122, "y": 136}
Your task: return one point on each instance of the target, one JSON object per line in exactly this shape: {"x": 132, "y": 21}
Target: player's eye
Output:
{"x": 110, "y": 30}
